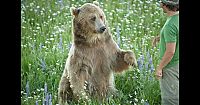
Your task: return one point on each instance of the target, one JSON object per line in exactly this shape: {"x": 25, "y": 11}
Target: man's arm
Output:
{"x": 168, "y": 55}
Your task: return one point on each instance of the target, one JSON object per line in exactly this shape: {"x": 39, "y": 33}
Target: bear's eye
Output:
{"x": 93, "y": 18}
{"x": 101, "y": 17}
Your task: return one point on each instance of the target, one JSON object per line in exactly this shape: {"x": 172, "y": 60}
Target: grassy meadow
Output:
{"x": 46, "y": 39}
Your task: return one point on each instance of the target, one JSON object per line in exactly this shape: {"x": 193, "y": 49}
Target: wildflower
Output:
{"x": 148, "y": 55}
{"x": 38, "y": 28}
{"x": 46, "y": 95}
{"x": 136, "y": 100}
{"x": 27, "y": 89}
{"x": 31, "y": 4}
{"x": 43, "y": 102}
{"x": 50, "y": 100}
{"x": 61, "y": 4}
{"x": 142, "y": 101}
{"x": 130, "y": 96}
{"x": 36, "y": 103}
{"x": 151, "y": 64}
{"x": 60, "y": 46}
{"x": 51, "y": 39}
{"x": 146, "y": 65}
{"x": 45, "y": 88}
{"x": 135, "y": 92}
{"x": 43, "y": 64}
{"x": 61, "y": 30}
{"x": 38, "y": 90}
{"x": 46, "y": 99}
{"x": 54, "y": 14}
{"x": 141, "y": 62}
{"x": 58, "y": 12}
{"x": 146, "y": 103}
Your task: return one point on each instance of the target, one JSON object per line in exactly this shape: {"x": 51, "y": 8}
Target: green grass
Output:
{"x": 46, "y": 37}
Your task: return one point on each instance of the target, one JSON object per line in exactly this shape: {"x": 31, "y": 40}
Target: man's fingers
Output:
{"x": 158, "y": 75}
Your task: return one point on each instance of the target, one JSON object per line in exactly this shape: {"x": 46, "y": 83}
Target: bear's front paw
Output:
{"x": 129, "y": 58}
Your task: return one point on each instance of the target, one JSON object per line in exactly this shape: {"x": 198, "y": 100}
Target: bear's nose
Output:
{"x": 102, "y": 29}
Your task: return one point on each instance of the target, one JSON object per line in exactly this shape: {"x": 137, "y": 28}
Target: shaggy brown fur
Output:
{"x": 93, "y": 58}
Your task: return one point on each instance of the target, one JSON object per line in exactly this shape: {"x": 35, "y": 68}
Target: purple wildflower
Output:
{"x": 142, "y": 59}
{"x": 46, "y": 96}
{"x": 151, "y": 64}
{"x": 150, "y": 60}
{"x": 43, "y": 64}
{"x": 151, "y": 78}
{"x": 148, "y": 55}
{"x": 147, "y": 65}
{"x": 27, "y": 89}
{"x": 47, "y": 99}
{"x": 36, "y": 103}
{"x": 146, "y": 103}
{"x": 45, "y": 88}
{"x": 152, "y": 68}
{"x": 61, "y": 4}
{"x": 43, "y": 102}
{"x": 50, "y": 99}
{"x": 141, "y": 62}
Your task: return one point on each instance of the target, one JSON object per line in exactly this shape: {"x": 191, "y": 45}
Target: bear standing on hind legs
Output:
{"x": 93, "y": 58}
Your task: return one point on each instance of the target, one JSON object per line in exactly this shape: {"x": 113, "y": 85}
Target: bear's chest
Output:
{"x": 96, "y": 56}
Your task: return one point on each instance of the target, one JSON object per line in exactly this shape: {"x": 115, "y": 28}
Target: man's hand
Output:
{"x": 158, "y": 73}
{"x": 155, "y": 41}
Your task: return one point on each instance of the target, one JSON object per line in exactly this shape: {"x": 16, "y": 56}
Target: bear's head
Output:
{"x": 89, "y": 23}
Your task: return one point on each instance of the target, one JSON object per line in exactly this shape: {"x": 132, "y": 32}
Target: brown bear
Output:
{"x": 93, "y": 58}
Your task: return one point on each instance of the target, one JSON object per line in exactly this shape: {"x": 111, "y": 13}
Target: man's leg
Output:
{"x": 169, "y": 85}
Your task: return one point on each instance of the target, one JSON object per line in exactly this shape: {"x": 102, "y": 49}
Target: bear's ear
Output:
{"x": 75, "y": 11}
{"x": 96, "y": 3}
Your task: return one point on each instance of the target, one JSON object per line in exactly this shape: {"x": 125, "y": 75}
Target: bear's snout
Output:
{"x": 102, "y": 29}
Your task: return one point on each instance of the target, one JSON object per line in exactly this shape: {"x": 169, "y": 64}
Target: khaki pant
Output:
{"x": 169, "y": 85}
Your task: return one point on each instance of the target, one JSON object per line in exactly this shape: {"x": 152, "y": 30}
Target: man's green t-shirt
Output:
{"x": 170, "y": 33}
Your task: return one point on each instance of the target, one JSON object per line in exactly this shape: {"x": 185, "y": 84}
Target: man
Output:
{"x": 167, "y": 70}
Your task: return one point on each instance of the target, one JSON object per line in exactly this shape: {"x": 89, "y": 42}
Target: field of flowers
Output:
{"x": 46, "y": 39}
